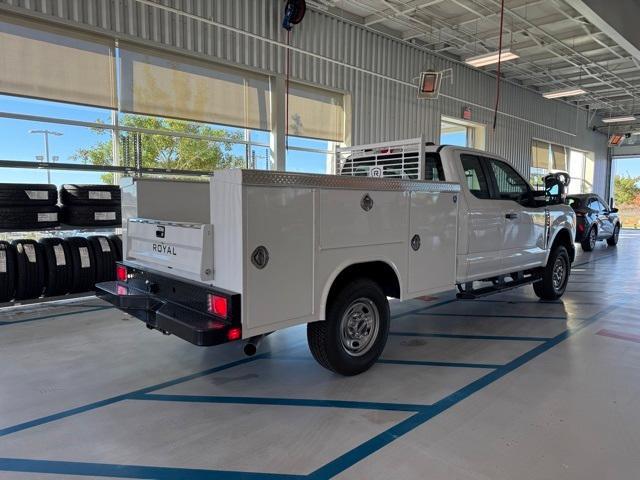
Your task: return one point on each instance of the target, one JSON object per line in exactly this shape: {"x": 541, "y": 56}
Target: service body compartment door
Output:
{"x": 280, "y": 221}
{"x": 433, "y": 233}
{"x": 181, "y": 248}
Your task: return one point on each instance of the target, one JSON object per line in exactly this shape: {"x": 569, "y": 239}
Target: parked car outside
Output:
{"x": 595, "y": 220}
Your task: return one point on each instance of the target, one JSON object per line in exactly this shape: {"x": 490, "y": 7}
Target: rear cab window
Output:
{"x": 433, "y": 167}
{"x": 475, "y": 176}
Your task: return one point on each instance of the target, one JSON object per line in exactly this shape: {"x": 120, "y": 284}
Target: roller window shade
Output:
{"x": 46, "y": 63}
{"x": 540, "y": 154}
{"x": 316, "y": 113}
{"x": 169, "y": 86}
{"x": 559, "y": 157}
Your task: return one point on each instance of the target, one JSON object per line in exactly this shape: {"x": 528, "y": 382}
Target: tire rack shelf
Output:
{"x": 64, "y": 228}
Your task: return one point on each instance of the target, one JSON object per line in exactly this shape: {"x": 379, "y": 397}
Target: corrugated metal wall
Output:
{"x": 377, "y": 71}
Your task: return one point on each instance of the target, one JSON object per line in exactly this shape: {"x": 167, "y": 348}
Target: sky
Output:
{"x": 627, "y": 166}
{"x": 18, "y": 144}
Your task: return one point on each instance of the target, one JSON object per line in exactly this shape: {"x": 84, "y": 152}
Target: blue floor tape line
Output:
{"x": 425, "y": 363}
{"x": 471, "y": 337}
{"x": 367, "y": 448}
{"x": 133, "y": 471}
{"x": 54, "y": 315}
{"x": 118, "y": 398}
{"x": 290, "y": 402}
{"x": 491, "y": 315}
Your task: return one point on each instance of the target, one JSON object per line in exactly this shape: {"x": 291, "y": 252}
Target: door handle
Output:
{"x": 511, "y": 216}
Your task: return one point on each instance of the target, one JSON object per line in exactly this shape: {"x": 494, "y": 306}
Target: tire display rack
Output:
{"x": 77, "y": 247}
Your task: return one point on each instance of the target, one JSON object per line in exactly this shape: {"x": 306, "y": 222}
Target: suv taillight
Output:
{"x": 217, "y": 305}
{"x": 121, "y": 273}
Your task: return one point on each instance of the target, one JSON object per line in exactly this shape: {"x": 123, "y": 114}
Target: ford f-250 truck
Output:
{"x": 283, "y": 249}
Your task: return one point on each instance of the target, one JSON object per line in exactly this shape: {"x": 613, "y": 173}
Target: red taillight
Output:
{"x": 580, "y": 227}
{"x": 121, "y": 273}
{"x": 234, "y": 333}
{"x": 218, "y": 306}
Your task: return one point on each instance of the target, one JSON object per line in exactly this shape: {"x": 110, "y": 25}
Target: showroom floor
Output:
{"x": 501, "y": 388}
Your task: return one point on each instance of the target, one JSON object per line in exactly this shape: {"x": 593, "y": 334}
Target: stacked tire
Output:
{"x": 105, "y": 256}
{"x": 30, "y": 269}
{"x": 28, "y": 206}
{"x": 91, "y": 205}
{"x": 58, "y": 266}
{"x": 83, "y": 264}
{"x": 7, "y": 271}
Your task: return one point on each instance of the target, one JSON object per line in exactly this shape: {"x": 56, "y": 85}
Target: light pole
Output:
{"x": 46, "y": 134}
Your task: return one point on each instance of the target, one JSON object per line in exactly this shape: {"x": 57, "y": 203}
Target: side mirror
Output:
{"x": 614, "y": 210}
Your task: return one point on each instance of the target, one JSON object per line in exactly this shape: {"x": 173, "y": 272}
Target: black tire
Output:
{"x": 105, "y": 255}
{"x": 104, "y": 195}
{"x": 29, "y": 269}
{"x": 27, "y": 194}
{"x": 82, "y": 265}
{"x": 327, "y": 341}
{"x": 549, "y": 287}
{"x": 58, "y": 269}
{"x": 37, "y": 218}
{"x": 613, "y": 240}
{"x": 589, "y": 242}
{"x": 7, "y": 271}
{"x": 117, "y": 243}
{"x": 91, "y": 215}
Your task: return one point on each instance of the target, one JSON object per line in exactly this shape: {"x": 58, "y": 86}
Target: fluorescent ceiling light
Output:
{"x": 628, "y": 118}
{"x": 567, "y": 92}
{"x": 491, "y": 58}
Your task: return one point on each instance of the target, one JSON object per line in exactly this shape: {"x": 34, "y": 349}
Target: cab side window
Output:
{"x": 475, "y": 176}
{"x": 509, "y": 184}
{"x": 603, "y": 207}
{"x": 594, "y": 205}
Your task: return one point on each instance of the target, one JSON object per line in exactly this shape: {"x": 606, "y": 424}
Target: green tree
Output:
{"x": 166, "y": 151}
{"x": 626, "y": 189}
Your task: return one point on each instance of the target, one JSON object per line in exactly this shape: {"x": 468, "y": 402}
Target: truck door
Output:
{"x": 523, "y": 244}
{"x": 481, "y": 222}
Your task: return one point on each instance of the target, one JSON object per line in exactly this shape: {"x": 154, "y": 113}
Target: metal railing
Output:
{"x": 396, "y": 159}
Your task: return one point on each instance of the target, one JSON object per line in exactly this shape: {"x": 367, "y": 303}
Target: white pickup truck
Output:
{"x": 284, "y": 249}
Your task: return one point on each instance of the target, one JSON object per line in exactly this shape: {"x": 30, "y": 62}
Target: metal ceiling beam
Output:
{"x": 407, "y": 9}
{"x": 618, "y": 21}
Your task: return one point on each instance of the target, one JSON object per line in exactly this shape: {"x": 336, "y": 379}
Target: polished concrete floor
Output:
{"x": 501, "y": 388}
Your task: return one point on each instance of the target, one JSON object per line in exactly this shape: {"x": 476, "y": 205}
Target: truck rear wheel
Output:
{"x": 352, "y": 337}
{"x": 555, "y": 275}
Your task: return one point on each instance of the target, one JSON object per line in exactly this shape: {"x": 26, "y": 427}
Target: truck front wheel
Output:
{"x": 555, "y": 275}
{"x": 355, "y": 331}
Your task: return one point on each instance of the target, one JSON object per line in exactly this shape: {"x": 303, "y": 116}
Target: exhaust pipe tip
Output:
{"x": 250, "y": 349}
{"x": 251, "y": 345}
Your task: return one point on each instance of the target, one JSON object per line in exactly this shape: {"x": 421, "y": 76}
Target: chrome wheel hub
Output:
{"x": 592, "y": 238}
{"x": 359, "y": 327}
{"x": 559, "y": 273}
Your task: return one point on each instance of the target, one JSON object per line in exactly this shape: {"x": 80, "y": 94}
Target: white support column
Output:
{"x": 278, "y": 124}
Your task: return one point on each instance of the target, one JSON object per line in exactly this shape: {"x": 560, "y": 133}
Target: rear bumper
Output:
{"x": 182, "y": 313}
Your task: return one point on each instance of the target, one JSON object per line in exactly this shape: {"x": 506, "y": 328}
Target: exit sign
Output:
{"x": 466, "y": 113}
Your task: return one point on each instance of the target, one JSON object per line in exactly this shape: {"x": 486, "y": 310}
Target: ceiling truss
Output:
{"x": 558, "y": 47}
